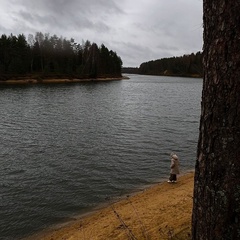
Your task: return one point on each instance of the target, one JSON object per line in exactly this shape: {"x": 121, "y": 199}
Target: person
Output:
{"x": 174, "y": 168}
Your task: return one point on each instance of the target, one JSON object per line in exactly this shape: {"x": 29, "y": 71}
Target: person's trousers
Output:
{"x": 173, "y": 177}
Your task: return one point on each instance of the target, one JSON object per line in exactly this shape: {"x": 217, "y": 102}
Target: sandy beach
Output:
{"x": 57, "y": 80}
{"x": 162, "y": 211}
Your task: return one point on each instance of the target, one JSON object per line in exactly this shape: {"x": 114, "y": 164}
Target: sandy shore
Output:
{"x": 56, "y": 80}
{"x": 162, "y": 211}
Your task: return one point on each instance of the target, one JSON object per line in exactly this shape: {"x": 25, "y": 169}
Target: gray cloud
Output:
{"x": 138, "y": 30}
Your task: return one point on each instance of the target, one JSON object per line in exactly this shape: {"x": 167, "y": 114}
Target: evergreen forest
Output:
{"x": 46, "y": 56}
{"x": 185, "y": 66}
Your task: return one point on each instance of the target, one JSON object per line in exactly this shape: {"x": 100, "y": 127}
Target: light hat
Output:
{"x": 174, "y": 156}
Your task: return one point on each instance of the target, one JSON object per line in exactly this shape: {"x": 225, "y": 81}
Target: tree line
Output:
{"x": 46, "y": 55}
{"x": 186, "y": 66}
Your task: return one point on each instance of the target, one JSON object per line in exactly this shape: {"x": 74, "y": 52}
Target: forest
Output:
{"x": 46, "y": 56}
{"x": 185, "y": 66}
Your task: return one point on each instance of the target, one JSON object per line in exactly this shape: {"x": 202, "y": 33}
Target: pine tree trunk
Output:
{"x": 216, "y": 203}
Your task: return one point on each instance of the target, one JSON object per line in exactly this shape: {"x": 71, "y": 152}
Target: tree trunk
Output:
{"x": 216, "y": 203}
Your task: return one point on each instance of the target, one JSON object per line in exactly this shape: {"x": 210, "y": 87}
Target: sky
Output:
{"x": 137, "y": 30}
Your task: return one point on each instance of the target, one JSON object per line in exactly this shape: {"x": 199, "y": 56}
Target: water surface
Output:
{"x": 66, "y": 148}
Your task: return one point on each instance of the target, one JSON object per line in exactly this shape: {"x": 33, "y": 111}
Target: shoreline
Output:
{"x": 156, "y": 212}
{"x": 58, "y": 80}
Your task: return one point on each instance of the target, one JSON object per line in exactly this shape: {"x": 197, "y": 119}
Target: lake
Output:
{"x": 66, "y": 148}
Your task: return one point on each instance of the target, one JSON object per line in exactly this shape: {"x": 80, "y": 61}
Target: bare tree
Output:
{"x": 216, "y": 210}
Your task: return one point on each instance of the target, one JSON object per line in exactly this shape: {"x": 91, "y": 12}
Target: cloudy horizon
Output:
{"x": 139, "y": 31}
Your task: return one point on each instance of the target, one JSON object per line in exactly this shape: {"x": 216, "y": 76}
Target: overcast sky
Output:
{"x": 138, "y": 30}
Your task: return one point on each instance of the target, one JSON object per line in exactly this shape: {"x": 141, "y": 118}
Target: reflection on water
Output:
{"x": 65, "y": 148}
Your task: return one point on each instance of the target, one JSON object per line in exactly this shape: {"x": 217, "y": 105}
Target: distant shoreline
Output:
{"x": 168, "y": 75}
{"x": 58, "y": 80}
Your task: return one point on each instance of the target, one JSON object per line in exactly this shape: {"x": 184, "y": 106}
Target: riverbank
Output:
{"x": 162, "y": 211}
{"x": 56, "y": 80}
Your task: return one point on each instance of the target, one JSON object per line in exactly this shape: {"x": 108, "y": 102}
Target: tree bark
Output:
{"x": 216, "y": 201}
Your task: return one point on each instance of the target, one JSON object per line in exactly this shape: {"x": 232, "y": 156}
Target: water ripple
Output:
{"x": 66, "y": 148}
